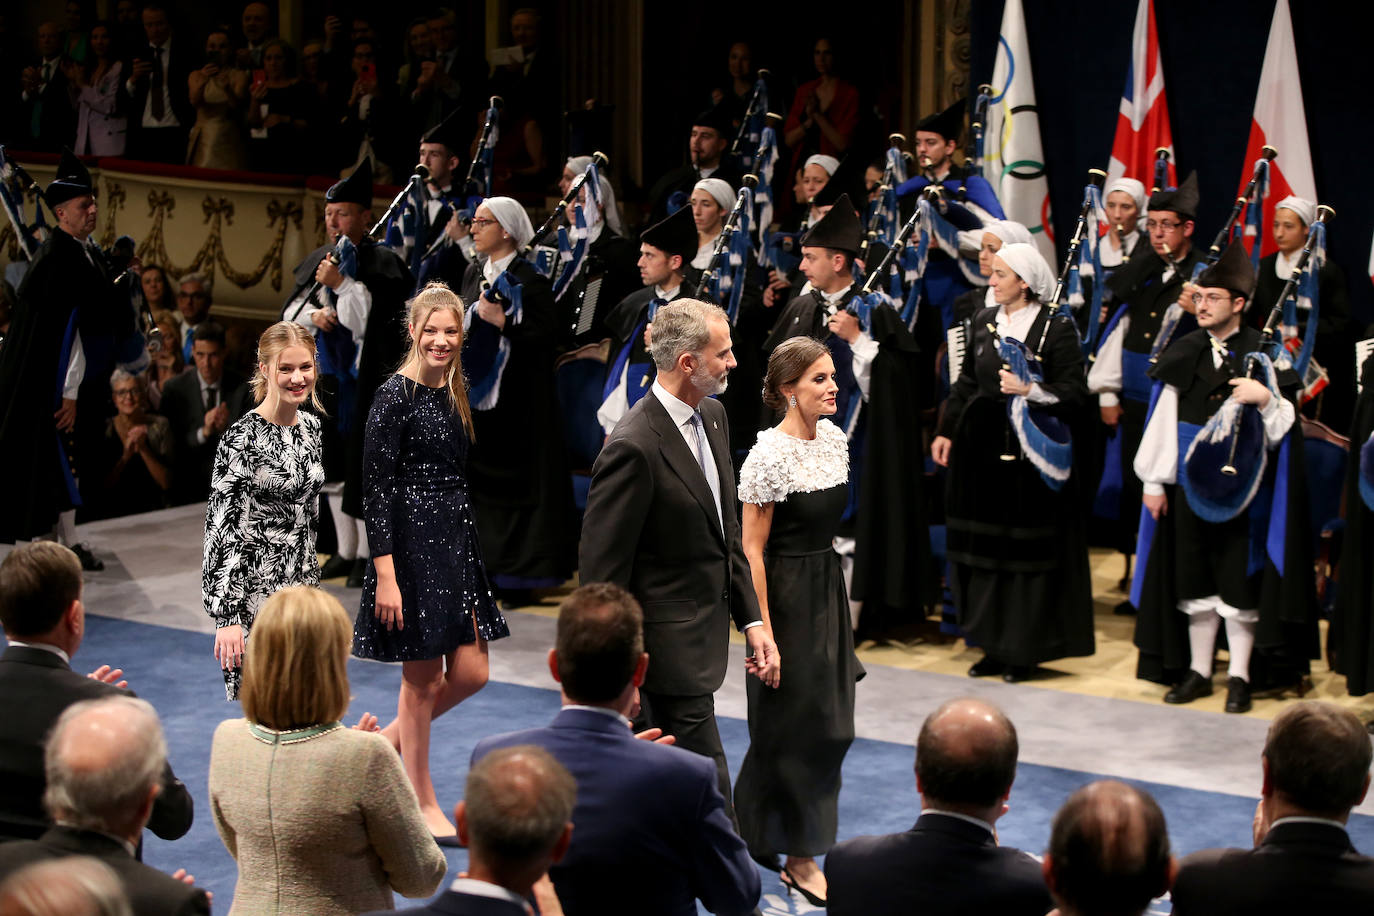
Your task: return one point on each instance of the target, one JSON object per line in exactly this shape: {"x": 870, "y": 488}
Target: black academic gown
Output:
{"x": 625, "y": 325}
{"x": 1352, "y": 626}
{"x": 385, "y": 343}
{"x": 518, "y": 474}
{"x": 893, "y": 572}
{"x": 1286, "y": 635}
{"x": 610, "y": 274}
{"x": 682, "y": 180}
{"x": 64, "y": 291}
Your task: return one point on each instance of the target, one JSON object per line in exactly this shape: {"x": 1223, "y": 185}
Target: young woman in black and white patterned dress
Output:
{"x": 263, "y": 512}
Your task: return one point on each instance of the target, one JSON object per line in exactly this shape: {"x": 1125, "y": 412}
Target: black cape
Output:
{"x": 1352, "y": 626}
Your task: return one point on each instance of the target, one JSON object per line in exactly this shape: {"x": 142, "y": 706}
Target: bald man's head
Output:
{"x": 966, "y": 755}
{"x": 1109, "y": 851}
{"x": 104, "y": 763}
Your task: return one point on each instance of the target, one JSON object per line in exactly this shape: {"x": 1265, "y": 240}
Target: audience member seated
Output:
{"x": 157, "y": 292}
{"x": 48, "y": 118}
{"x": 1316, "y": 768}
{"x": 219, "y": 94}
{"x": 279, "y": 113}
{"x": 950, "y": 861}
{"x": 102, "y": 122}
{"x": 160, "y": 115}
{"x": 652, "y": 834}
{"x": 320, "y": 818}
{"x": 134, "y": 460}
{"x": 1109, "y": 852}
{"x": 104, "y": 762}
{"x": 164, "y": 357}
{"x": 515, "y": 820}
{"x": 71, "y": 886}
{"x": 44, "y": 620}
{"x": 201, "y": 405}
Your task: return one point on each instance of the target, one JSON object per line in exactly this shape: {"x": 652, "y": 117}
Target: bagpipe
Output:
{"x": 976, "y": 131}
{"x": 717, "y": 283}
{"x": 1045, "y": 440}
{"x": 1081, "y": 260}
{"x": 912, "y": 261}
{"x": 751, "y": 126}
{"x": 599, "y": 161}
{"x": 884, "y": 217}
{"x": 15, "y": 185}
{"x": 477, "y": 183}
{"x": 1255, "y": 189}
{"x": 1225, "y": 464}
{"x": 765, "y": 162}
{"x": 1161, "y": 177}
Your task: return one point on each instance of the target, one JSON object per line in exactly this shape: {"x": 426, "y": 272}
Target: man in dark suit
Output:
{"x": 652, "y": 833}
{"x": 949, "y": 862}
{"x": 44, "y": 619}
{"x": 49, "y": 118}
{"x": 515, "y": 820}
{"x": 161, "y": 115}
{"x": 200, "y": 406}
{"x": 662, "y": 522}
{"x": 1316, "y": 768}
{"x": 1109, "y": 852}
{"x": 106, "y": 759}
{"x": 713, "y": 131}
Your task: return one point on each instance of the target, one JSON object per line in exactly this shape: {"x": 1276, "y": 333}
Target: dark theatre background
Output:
{"x": 1212, "y": 54}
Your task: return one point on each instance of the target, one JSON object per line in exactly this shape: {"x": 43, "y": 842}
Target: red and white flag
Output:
{"x": 1281, "y": 122}
{"x": 1142, "y": 126}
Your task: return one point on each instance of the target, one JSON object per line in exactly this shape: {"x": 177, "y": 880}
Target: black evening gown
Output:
{"x": 416, "y": 500}
{"x": 787, "y": 794}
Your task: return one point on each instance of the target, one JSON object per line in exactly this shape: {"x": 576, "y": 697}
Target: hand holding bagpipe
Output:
{"x": 549, "y": 225}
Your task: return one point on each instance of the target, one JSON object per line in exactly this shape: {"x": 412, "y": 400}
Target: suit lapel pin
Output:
{"x": 715, "y": 425}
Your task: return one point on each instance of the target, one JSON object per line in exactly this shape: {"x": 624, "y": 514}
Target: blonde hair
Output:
{"x": 295, "y": 669}
{"x": 273, "y": 341}
{"x": 435, "y": 296}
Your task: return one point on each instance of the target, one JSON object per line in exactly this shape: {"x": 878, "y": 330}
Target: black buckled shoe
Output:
{"x": 89, "y": 561}
{"x": 357, "y": 574}
{"x": 986, "y": 667}
{"x": 336, "y": 567}
{"x": 1189, "y": 689}
{"x": 1237, "y": 695}
{"x": 1015, "y": 674}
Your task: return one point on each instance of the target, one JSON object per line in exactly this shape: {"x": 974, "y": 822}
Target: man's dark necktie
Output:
{"x": 159, "y": 81}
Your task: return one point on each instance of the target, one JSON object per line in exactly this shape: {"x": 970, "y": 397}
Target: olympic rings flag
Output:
{"x": 1014, "y": 160}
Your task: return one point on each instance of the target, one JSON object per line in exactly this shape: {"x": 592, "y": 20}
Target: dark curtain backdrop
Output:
{"x": 1212, "y": 54}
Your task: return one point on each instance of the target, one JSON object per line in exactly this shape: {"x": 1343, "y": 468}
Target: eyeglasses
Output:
{"x": 200, "y": 296}
{"x": 1212, "y": 299}
{"x": 1161, "y": 225}
{"x": 481, "y": 222}
{"x": 125, "y": 394}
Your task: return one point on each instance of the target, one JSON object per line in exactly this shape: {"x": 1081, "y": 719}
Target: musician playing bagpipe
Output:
{"x": 517, "y": 469}
{"x": 352, "y": 294}
{"x": 442, "y": 197}
{"x": 665, "y": 253}
{"x": 55, "y": 366}
{"x": 608, "y": 274}
{"x": 1225, "y": 533}
{"x": 711, "y": 134}
{"x": 1145, "y": 287}
{"x": 883, "y": 541}
{"x": 1352, "y": 626}
{"x": 1018, "y": 556}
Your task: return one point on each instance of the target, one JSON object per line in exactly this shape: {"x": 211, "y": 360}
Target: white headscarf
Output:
{"x": 719, "y": 189}
{"x": 1305, "y": 209}
{"x": 512, "y": 217}
{"x": 1009, "y": 231}
{"x": 1131, "y": 187}
{"x": 577, "y": 165}
{"x": 1030, "y": 266}
{"x": 829, "y": 163}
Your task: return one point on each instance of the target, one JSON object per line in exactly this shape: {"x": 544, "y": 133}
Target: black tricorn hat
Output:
{"x": 355, "y": 189}
{"x": 675, "y": 235}
{"x": 72, "y": 180}
{"x": 1181, "y": 200}
{"x": 839, "y": 229}
{"x": 448, "y": 132}
{"x": 1232, "y": 271}
{"x": 947, "y": 123}
{"x": 718, "y": 119}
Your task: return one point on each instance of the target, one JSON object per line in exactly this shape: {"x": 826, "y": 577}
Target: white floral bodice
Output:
{"x": 780, "y": 464}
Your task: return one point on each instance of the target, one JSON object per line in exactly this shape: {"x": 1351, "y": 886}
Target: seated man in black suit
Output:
{"x": 1316, "y": 768}
{"x": 515, "y": 820}
{"x": 201, "y": 405}
{"x": 652, "y": 834}
{"x": 949, "y": 862}
{"x": 44, "y": 619}
{"x": 1109, "y": 852}
{"x": 105, "y": 760}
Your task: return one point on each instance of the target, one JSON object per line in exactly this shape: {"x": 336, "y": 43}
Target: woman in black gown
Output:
{"x": 794, "y": 486}
{"x": 426, "y": 601}
{"x": 1017, "y": 548}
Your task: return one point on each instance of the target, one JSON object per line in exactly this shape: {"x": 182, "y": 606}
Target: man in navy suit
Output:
{"x": 514, "y": 820}
{"x": 652, "y": 833}
{"x": 1316, "y": 768}
{"x": 949, "y": 862}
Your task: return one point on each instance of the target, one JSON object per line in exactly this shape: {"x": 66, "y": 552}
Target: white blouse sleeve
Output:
{"x": 763, "y": 478}
{"x": 1156, "y": 461}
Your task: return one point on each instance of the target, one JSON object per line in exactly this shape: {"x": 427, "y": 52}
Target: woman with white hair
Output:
{"x": 610, "y": 272}
{"x": 517, "y": 471}
{"x": 1017, "y": 550}
{"x": 1334, "y": 349}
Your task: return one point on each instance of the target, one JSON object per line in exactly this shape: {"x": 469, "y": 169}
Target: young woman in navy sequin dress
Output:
{"x": 426, "y": 599}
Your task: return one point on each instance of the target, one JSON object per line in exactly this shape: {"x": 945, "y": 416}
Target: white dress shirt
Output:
{"x": 168, "y": 119}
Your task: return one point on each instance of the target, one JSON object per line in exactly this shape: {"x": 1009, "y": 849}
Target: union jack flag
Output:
{"x": 1142, "y": 125}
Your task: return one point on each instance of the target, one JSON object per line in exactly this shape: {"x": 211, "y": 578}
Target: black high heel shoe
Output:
{"x": 791, "y": 884}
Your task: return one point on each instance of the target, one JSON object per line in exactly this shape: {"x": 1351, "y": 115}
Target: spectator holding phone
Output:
{"x": 161, "y": 114}
{"x": 219, "y": 93}
{"x": 278, "y": 112}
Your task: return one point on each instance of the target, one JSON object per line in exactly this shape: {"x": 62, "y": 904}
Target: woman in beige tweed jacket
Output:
{"x": 320, "y": 818}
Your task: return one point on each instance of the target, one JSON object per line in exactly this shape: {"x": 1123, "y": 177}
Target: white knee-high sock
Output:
{"x": 360, "y": 527}
{"x": 66, "y": 528}
{"x": 1202, "y": 639}
{"x": 345, "y": 527}
{"x": 1240, "y": 636}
